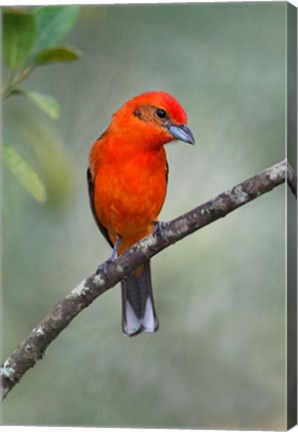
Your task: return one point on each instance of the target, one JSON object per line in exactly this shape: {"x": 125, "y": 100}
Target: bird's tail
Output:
{"x": 138, "y": 311}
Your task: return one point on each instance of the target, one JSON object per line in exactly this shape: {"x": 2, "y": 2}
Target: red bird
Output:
{"x": 127, "y": 180}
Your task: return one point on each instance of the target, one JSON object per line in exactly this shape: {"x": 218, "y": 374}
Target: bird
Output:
{"x": 127, "y": 180}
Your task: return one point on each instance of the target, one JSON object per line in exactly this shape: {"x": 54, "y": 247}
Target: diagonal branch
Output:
{"x": 33, "y": 347}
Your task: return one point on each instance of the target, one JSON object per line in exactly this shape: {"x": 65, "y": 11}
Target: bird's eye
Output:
{"x": 161, "y": 113}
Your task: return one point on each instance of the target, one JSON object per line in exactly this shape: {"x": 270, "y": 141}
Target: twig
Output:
{"x": 14, "y": 79}
{"x": 33, "y": 347}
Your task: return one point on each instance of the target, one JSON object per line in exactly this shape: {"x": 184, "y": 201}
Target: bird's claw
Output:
{"x": 104, "y": 266}
{"x": 159, "y": 229}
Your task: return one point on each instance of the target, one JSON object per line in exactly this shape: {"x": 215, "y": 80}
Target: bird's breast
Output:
{"x": 130, "y": 192}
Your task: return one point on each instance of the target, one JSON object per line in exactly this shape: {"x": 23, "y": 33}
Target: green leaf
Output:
{"x": 53, "y": 23}
{"x": 57, "y": 54}
{"x": 46, "y": 103}
{"x": 24, "y": 173}
{"x": 18, "y": 37}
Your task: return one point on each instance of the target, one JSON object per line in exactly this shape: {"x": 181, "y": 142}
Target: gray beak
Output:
{"x": 182, "y": 133}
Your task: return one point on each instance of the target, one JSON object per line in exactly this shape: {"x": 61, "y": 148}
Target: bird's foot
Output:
{"x": 159, "y": 229}
{"x": 104, "y": 267}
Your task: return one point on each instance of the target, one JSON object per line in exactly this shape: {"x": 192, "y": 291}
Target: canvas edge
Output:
{"x": 291, "y": 216}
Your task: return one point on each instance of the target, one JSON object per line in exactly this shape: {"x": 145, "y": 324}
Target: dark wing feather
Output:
{"x": 102, "y": 229}
{"x": 167, "y": 171}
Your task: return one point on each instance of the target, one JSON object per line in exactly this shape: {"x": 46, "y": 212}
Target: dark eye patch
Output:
{"x": 149, "y": 114}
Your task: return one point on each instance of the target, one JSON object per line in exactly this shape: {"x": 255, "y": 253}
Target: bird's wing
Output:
{"x": 102, "y": 229}
{"x": 167, "y": 171}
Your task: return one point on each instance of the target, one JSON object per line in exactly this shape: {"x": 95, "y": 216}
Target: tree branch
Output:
{"x": 33, "y": 347}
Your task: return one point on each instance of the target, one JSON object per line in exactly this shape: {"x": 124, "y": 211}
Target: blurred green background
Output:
{"x": 218, "y": 359}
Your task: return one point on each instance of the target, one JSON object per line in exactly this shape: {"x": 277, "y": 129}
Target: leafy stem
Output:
{"x": 14, "y": 79}
{"x": 32, "y": 38}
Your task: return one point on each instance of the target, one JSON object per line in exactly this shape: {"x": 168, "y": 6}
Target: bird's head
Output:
{"x": 153, "y": 119}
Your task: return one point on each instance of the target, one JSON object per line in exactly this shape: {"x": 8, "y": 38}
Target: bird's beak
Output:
{"x": 182, "y": 133}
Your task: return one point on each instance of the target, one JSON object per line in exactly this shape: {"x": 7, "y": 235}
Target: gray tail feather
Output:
{"x": 138, "y": 311}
